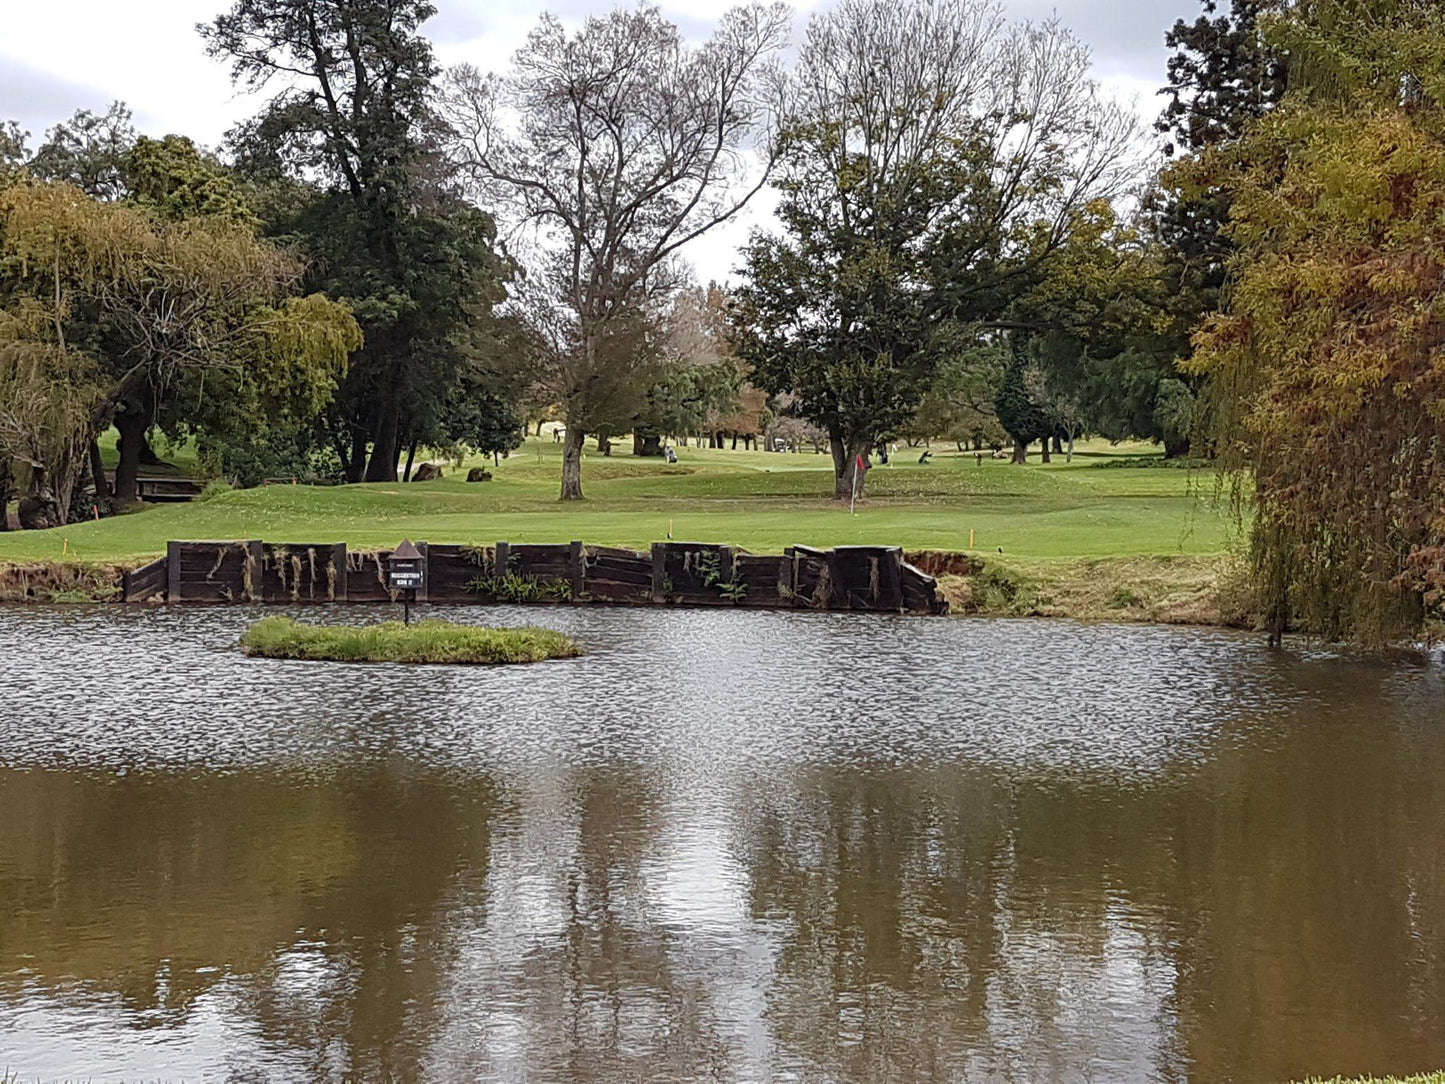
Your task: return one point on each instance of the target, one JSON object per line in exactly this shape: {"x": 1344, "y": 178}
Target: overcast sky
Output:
{"x": 57, "y": 56}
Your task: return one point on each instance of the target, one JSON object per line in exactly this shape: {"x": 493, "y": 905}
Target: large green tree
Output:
{"x": 932, "y": 161}
{"x": 347, "y": 147}
{"x": 1223, "y": 75}
{"x": 105, "y": 304}
{"x": 174, "y": 182}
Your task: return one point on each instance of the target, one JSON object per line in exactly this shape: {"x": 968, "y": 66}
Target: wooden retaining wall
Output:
{"x": 874, "y": 579}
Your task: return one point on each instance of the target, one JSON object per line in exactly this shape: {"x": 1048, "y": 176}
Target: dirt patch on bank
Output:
{"x": 944, "y": 563}
{"x": 1167, "y": 590}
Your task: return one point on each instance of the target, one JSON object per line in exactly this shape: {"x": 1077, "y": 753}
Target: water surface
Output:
{"x": 722, "y": 846}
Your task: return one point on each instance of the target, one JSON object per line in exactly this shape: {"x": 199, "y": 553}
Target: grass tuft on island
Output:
{"x": 423, "y": 642}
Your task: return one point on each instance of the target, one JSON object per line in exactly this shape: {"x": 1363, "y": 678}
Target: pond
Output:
{"x": 723, "y": 845}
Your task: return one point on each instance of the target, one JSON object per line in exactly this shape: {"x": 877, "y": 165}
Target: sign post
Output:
{"x": 406, "y": 572}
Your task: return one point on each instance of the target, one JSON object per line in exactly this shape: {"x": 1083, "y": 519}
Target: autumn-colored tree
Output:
{"x": 1326, "y": 384}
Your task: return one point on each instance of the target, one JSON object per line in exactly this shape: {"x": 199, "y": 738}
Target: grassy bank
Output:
{"x": 1423, "y": 1078}
{"x": 1170, "y": 589}
{"x": 423, "y": 642}
{"x": 1117, "y": 533}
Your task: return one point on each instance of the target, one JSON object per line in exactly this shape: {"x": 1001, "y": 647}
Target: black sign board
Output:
{"x": 405, "y": 570}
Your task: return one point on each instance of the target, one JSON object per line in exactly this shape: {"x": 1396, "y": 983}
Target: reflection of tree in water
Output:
{"x": 936, "y": 934}
{"x": 574, "y": 976}
{"x": 1270, "y": 907}
{"x": 316, "y": 906}
{"x": 1276, "y": 911}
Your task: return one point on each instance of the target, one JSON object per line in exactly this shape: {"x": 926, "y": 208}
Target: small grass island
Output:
{"x": 391, "y": 641}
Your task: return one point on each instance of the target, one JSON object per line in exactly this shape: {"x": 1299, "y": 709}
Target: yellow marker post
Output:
{"x": 970, "y": 538}
{"x": 64, "y": 546}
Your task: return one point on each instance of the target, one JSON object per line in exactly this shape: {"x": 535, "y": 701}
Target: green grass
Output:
{"x": 1423, "y": 1078}
{"x": 762, "y": 501}
{"x": 176, "y": 460}
{"x": 391, "y": 641}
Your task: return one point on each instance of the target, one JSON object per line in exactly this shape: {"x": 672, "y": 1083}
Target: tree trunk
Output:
{"x": 845, "y": 465}
{"x": 97, "y": 474}
{"x": 7, "y": 485}
{"x": 382, "y": 465}
{"x": 540, "y": 421}
{"x": 410, "y": 459}
{"x": 604, "y": 444}
{"x": 356, "y": 465}
{"x": 1176, "y": 447}
{"x": 1044, "y": 451}
{"x": 1069, "y": 455}
{"x": 148, "y": 457}
{"x": 132, "y": 425}
{"x": 1058, "y": 444}
{"x": 1021, "y": 450}
{"x": 645, "y": 445}
{"x": 572, "y": 463}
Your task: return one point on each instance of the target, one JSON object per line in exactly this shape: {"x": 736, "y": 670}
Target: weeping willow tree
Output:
{"x": 103, "y": 304}
{"x": 1325, "y": 369}
{"x": 48, "y": 398}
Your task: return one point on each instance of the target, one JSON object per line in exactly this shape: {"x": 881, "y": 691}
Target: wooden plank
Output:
{"x": 255, "y": 591}
{"x": 173, "y": 564}
{"x": 632, "y": 579}
{"x": 920, "y": 591}
{"x": 576, "y": 570}
{"x": 618, "y": 592}
{"x": 142, "y": 583}
{"x": 339, "y": 581}
{"x": 637, "y": 561}
{"x": 362, "y": 584}
{"x": 421, "y": 592}
{"x": 659, "y": 571}
{"x": 618, "y": 554}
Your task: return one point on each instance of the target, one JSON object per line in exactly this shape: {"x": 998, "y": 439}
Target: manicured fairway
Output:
{"x": 763, "y": 501}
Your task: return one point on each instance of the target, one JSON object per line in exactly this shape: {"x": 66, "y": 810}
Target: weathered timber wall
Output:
{"x": 873, "y": 579}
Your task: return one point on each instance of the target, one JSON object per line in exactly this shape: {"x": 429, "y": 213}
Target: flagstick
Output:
{"x": 853, "y": 501}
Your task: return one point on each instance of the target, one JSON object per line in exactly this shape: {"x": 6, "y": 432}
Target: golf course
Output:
{"x": 1117, "y": 533}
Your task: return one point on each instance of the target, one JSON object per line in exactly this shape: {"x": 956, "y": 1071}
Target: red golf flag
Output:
{"x": 862, "y": 465}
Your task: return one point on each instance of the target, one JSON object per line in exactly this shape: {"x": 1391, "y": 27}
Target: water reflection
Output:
{"x": 722, "y": 846}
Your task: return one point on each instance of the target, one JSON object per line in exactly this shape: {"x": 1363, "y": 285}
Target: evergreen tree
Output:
{"x": 385, "y": 227}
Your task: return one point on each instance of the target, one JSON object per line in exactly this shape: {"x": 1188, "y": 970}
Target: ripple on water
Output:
{"x": 169, "y": 688}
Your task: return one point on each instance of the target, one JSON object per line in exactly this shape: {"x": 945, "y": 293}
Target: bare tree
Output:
{"x": 614, "y": 147}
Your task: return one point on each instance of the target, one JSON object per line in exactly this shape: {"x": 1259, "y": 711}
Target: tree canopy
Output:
{"x": 107, "y": 304}
{"x": 347, "y": 159}
{"x": 932, "y": 160}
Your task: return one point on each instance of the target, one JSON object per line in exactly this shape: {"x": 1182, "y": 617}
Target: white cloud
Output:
{"x": 61, "y": 55}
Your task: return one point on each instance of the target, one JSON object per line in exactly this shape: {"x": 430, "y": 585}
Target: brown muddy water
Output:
{"x": 722, "y": 846}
